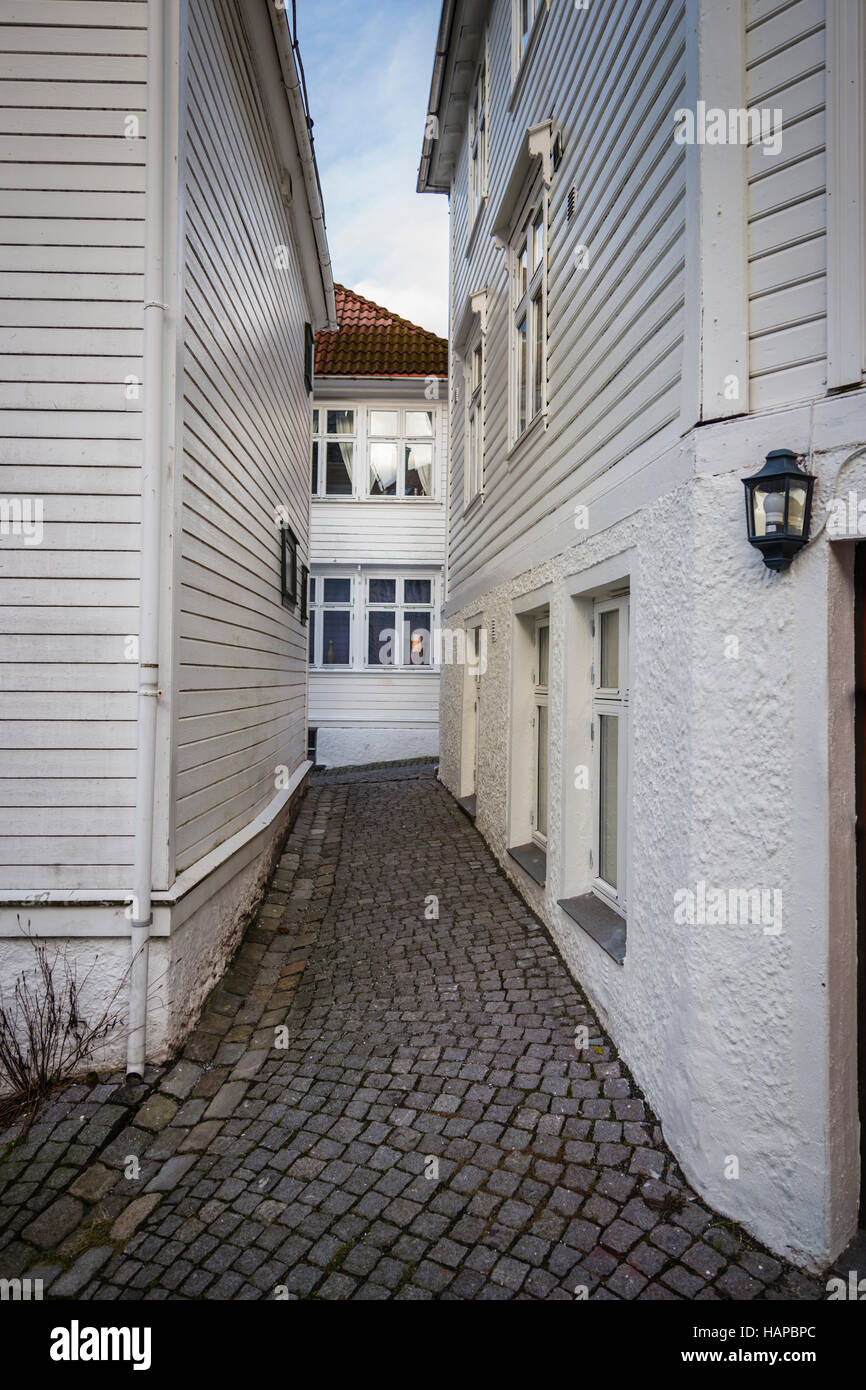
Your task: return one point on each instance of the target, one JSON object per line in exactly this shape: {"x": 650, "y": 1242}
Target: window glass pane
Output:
{"x": 383, "y": 422}
{"x": 521, "y": 274}
{"x": 418, "y": 478}
{"x": 312, "y": 589}
{"x": 417, "y": 590}
{"x": 383, "y": 591}
{"x": 541, "y": 766}
{"x": 476, "y": 368}
{"x": 537, "y": 241}
{"x": 538, "y": 321}
{"x": 543, "y": 651}
{"x": 341, "y": 422}
{"x": 335, "y": 637}
{"x": 607, "y": 808}
{"x": 337, "y": 590}
{"x": 526, "y": 8}
{"x": 475, "y": 451}
{"x": 521, "y": 376}
{"x": 315, "y": 479}
{"x": 383, "y": 470}
{"x": 381, "y": 637}
{"x": 315, "y": 422}
{"x": 419, "y": 642}
{"x": 419, "y": 424}
{"x": 312, "y": 648}
{"x": 609, "y": 643}
{"x": 338, "y": 470}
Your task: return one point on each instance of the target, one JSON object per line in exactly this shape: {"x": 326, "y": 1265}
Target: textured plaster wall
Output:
{"x": 353, "y": 746}
{"x": 98, "y": 965}
{"x": 725, "y": 1026}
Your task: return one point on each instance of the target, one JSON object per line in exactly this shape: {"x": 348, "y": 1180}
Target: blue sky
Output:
{"x": 368, "y": 65}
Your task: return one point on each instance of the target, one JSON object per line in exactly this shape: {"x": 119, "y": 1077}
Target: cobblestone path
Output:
{"x": 376, "y": 1104}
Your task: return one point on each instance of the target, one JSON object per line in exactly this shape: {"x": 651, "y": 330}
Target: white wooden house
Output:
{"x": 377, "y": 537}
{"x": 658, "y": 277}
{"x": 164, "y": 267}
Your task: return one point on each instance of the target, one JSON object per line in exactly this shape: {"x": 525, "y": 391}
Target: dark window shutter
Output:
{"x": 289, "y": 567}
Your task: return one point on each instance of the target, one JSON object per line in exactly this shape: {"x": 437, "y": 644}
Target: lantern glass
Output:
{"x": 769, "y": 508}
{"x": 797, "y": 494}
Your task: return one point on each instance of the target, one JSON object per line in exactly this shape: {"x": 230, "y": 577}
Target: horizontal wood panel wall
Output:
{"x": 366, "y": 697}
{"x": 72, "y": 86}
{"x": 785, "y": 57}
{"x": 246, "y": 442}
{"x": 611, "y": 76}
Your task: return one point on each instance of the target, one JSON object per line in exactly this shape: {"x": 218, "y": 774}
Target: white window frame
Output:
{"x": 361, "y": 440}
{"x": 317, "y": 607}
{"x": 321, "y": 440}
{"x": 528, "y": 298}
{"x": 478, "y": 139}
{"x": 402, "y": 440}
{"x": 399, "y": 607}
{"x": 612, "y": 703}
{"x": 521, "y": 38}
{"x": 540, "y": 699}
{"x": 473, "y": 370}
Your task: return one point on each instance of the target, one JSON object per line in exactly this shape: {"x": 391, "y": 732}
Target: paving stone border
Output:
{"x": 381, "y": 1100}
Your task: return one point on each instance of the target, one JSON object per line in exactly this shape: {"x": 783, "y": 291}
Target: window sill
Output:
{"x": 383, "y": 501}
{"x": 519, "y": 75}
{"x": 532, "y": 860}
{"x": 377, "y": 670}
{"x": 537, "y": 426}
{"x": 599, "y": 921}
{"x": 476, "y": 225}
{"x": 474, "y": 503}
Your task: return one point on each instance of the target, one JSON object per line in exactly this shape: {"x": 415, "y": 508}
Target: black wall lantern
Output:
{"x": 778, "y": 508}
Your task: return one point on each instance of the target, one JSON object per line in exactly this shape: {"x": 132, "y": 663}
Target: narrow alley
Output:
{"x": 383, "y": 1099}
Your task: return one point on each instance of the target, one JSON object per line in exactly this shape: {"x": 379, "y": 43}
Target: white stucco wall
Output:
{"x": 726, "y": 1028}
{"x": 355, "y": 745}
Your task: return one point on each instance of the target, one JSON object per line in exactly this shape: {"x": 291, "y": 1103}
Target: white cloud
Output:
{"x": 368, "y": 72}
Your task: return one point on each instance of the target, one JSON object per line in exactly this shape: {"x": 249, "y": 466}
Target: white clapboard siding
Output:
{"x": 392, "y": 533}
{"x": 247, "y": 420}
{"x": 615, "y": 330}
{"x": 367, "y": 697}
{"x": 71, "y": 266}
{"x": 787, "y": 214}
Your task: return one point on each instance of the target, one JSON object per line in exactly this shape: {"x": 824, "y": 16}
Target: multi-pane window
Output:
{"x": 399, "y": 621}
{"x": 529, "y": 306}
{"x": 330, "y": 621}
{"x": 378, "y": 453}
{"x": 540, "y": 721}
{"x": 475, "y": 421}
{"x": 478, "y": 144}
{"x": 400, "y": 453}
{"x": 334, "y": 439}
{"x": 610, "y": 748}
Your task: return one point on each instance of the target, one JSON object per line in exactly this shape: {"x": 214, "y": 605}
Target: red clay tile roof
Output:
{"x": 371, "y": 341}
